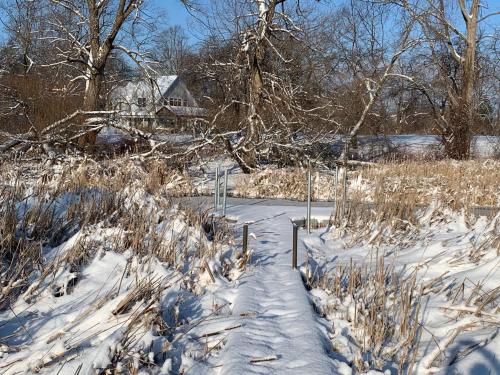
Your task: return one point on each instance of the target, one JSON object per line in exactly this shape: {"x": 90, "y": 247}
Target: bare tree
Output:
{"x": 453, "y": 48}
{"x": 92, "y": 44}
{"x": 21, "y": 22}
{"x": 261, "y": 106}
{"x": 171, "y": 50}
{"x": 31, "y": 96}
{"x": 86, "y": 34}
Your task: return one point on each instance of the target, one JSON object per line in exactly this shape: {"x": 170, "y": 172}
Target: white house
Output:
{"x": 164, "y": 101}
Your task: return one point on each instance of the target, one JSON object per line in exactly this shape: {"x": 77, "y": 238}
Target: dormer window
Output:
{"x": 141, "y": 102}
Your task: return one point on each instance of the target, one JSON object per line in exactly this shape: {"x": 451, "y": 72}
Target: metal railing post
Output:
{"x": 344, "y": 195}
{"x": 245, "y": 238}
{"x": 215, "y": 191}
{"x": 217, "y": 188}
{"x": 336, "y": 183}
{"x": 344, "y": 200}
{"x": 294, "y": 245}
{"x": 308, "y": 220}
{"x": 224, "y": 199}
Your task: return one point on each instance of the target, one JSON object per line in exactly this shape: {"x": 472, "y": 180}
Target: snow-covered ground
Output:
{"x": 140, "y": 285}
{"x": 456, "y": 262}
{"x": 482, "y": 145}
{"x": 114, "y": 136}
{"x": 417, "y": 145}
{"x": 115, "y": 279}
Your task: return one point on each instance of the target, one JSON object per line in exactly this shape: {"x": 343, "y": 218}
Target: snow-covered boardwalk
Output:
{"x": 280, "y": 333}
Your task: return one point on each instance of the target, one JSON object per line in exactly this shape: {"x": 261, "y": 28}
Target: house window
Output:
{"x": 185, "y": 103}
{"x": 124, "y": 107}
{"x": 141, "y": 102}
{"x": 175, "y": 102}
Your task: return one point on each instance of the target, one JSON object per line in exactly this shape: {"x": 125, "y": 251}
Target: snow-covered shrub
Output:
{"x": 98, "y": 261}
{"x": 409, "y": 294}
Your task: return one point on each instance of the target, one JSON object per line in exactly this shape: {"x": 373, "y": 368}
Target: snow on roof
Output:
{"x": 145, "y": 87}
{"x": 143, "y": 98}
{"x": 164, "y": 82}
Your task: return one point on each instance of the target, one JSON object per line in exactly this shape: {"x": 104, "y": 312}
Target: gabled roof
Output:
{"x": 159, "y": 87}
{"x": 165, "y": 83}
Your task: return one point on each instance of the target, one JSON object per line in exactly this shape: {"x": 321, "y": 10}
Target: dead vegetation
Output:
{"x": 57, "y": 222}
{"x": 381, "y": 305}
{"x": 273, "y": 183}
{"x": 382, "y": 308}
{"x": 456, "y": 185}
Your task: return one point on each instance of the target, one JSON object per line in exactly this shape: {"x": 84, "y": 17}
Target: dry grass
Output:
{"x": 455, "y": 185}
{"x": 273, "y": 183}
{"x": 96, "y": 207}
{"x": 153, "y": 176}
{"x": 382, "y": 304}
{"x": 58, "y": 213}
{"x": 383, "y": 309}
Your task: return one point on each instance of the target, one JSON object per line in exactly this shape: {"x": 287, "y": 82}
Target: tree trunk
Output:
{"x": 254, "y": 129}
{"x": 239, "y": 159}
{"x": 457, "y": 138}
{"x": 92, "y": 102}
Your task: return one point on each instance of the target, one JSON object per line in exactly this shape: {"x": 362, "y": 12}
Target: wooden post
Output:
{"x": 294, "y": 245}
{"x": 245, "y": 238}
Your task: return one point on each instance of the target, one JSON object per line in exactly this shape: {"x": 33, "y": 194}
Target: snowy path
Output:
{"x": 278, "y": 320}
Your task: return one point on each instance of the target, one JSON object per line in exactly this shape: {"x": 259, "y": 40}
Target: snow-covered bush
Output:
{"x": 409, "y": 294}
{"x": 101, "y": 272}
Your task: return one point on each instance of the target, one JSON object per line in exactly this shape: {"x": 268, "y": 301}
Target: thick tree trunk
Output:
{"x": 253, "y": 131}
{"x": 253, "y": 134}
{"x": 257, "y": 55}
{"x": 92, "y": 102}
{"x": 456, "y": 139}
{"x": 238, "y": 158}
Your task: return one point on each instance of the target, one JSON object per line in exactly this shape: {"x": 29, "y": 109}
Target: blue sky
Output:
{"x": 177, "y": 14}
{"x": 175, "y": 11}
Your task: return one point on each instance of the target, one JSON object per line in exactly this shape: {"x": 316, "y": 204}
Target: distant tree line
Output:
{"x": 278, "y": 76}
